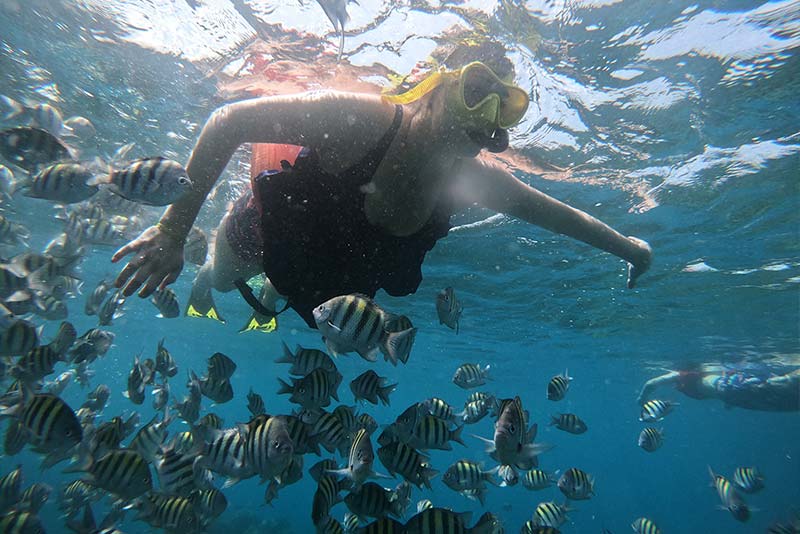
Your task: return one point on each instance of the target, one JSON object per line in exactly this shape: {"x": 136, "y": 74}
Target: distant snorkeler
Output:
{"x": 369, "y": 194}
{"x": 772, "y": 386}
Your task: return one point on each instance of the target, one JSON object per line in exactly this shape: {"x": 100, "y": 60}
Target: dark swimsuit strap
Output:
{"x": 364, "y": 168}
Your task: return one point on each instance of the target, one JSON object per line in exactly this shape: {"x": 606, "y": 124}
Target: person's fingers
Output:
{"x": 136, "y": 282}
{"x": 170, "y": 278}
{"x": 133, "y": 246}
{"x": 128, "y": 270}
{"x": 149, "y": 286}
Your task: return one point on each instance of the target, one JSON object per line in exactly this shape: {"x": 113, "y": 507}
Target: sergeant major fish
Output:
{"x": 558, "y": 386}
{"x": 448, "y": 308}
{"x": 152, "y": 181}
{"x": 355, "y": 323}
{"x": 513, "y": 444}
{"x": 471, "y": 375}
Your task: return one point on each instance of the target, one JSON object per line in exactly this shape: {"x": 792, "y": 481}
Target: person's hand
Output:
{"x": 157, "y": 263}
{"x": 637, "y": 269}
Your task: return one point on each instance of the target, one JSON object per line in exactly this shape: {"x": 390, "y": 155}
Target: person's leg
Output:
{"x": 221, "y": 269}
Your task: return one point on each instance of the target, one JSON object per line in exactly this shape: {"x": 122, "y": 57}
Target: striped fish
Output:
{"x": 370, "y": 387}
{"x": 18, "y": 337}
{"x": 328, "y": 431}
{"x": 568, "y": 422}
{"x": 208, "y": 504}
{"x": 326, "y": 496}
{"x": 656, "y": 410}
{"x": 536, "y": 479}
{"x": 347, "y": 416}
{"x": 351, "y": 522}
{"x": 182, "y": 442}
{"x": 471, "y": 375}
{"x": 179, "y": 473}
{"x": 474, "y": 411}
{"x": 211, "y": 420}
{"x": 91, "y": 345}
{"x": 224, "y": 452}
{"x": 423, "y": 505}
{"x": 439, "y": 521}
{"x": 220, "y": 366}
{"x": 448, "y": 308}
{"x": 729, "y": 497}
{"x": 268, "y": 448}
{"x": 170, "y": 512}
{"x": 558, "y": 386}
{"x": 312, "y": 391}
{"x": 329, "y": 525}
{"x": 16, "y": 522}
{"x": 367, "y": 422}
{"x": 33, "y": 498}
{"x": 529, "y": 527}
{"x": 651, "y": 439}
{"x": 321, "y": 468}
{"x": 150, "y": 437}
{"x": 355, "y": 323}
{"x": 433, "y": 433}
{"x": 165, "y": 363}
{"x": 255, "y": 403}
{"x": 644, "y": 525}
{"x": 49, "y": 423}
{"x": 75, "y": 495}
{"x": 65, "y": 183}
{"x": 37, "y": 364}
{"x": 122, "y": 472}
{"x": 513, "y": 444}
{"x": 152, "y": 181}
{"x": 12, "y": 233}
{"x": 97, "y": 398}
{"x": 550, "y": 514}
{"x": 135, "y": 391}
{"x": 359, "y": 461}
{"x": 372, "y": 500}
{"x": 218, "y": 390}
{"x": 508, "y": 475}
{"x": 15, "y": 438}
{"x": 488, "y": 523}
{"x": 439, "y": 408}
{"x": 748, "y": 479}
{"x": 466, "y": 474}
{"x": 576, "y": 484}
{"x": 10, "y": 487}
{"x": 29, "y": 147}
{"x": 301, "y": 435}
{"x": 413, "y": 466}
{"x": 306, "y": 360}
{"x": 383, "y": 525}
{"x": 167, "y": 303}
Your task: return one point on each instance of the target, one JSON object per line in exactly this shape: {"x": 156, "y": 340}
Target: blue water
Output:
{"x": 680, "y": 120}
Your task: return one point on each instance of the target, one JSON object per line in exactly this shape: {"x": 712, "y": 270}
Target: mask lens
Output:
{"x": 478, "y": 84}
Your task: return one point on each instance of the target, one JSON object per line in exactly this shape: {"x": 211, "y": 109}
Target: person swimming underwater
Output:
{"x": 372, "y": 191}
{"x": 766, "y": 386}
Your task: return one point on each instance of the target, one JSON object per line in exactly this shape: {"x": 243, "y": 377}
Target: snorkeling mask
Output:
{"x": 478, "y": 99}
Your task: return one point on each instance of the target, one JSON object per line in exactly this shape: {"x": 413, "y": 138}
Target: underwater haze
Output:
{"x": 674, "y": 121}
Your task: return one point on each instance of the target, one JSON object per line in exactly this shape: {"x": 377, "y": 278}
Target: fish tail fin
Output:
{"x": 384, "y": 391}
{"x": 287, "y": 357}
{"x": 397, "y": 345}
{"x": 285, "y": 388}
{"x": 455, "y": 435}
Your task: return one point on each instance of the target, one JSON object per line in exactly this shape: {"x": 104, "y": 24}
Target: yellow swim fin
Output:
{"x": 260, "y": 323}
{"x": 203, "y": 308}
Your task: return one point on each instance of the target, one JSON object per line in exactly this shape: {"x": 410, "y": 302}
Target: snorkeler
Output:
{"x": 766, "y": 386}
{"x": 372, "y": 191}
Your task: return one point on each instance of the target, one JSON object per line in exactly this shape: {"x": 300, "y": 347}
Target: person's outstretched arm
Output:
{"x": 495, "y": 188}
{"x": 649, "y": 386}
{"x": 312, "y": 120}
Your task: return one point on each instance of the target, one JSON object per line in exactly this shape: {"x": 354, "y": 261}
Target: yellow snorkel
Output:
{"x": 476, "y": 97}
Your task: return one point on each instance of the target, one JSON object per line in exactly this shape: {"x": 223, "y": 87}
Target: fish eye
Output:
{"x": 301, "y": 390}
{"x": 183, "y": 180}
{"x": 512, "y": 428}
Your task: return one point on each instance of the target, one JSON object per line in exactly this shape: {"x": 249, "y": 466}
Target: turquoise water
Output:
{"x": 680, "y": 121}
